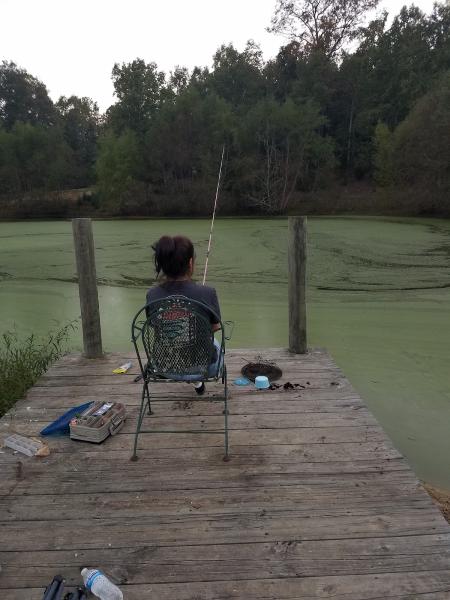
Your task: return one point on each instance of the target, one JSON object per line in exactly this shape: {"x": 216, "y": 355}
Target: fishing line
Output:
{"x": 213, "y": 216}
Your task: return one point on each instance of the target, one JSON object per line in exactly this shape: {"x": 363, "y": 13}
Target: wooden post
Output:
{"x": 297, "y": 285}
{"x": 87, "y": 284}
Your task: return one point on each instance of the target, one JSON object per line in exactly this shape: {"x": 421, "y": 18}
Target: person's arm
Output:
{"x": 216, "y": 308}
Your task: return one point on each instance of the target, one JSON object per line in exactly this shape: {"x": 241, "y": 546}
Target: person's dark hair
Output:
{"x": 172, "y": 255}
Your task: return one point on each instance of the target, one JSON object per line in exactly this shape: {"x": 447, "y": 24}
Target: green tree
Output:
{"x": 381, "y": 81}
{"x": 23, "y": 98}
{"x": 403, "y": 67}
{"x": 139, "y": 88}
{"x": 185, "y": 139}
{"x": 178, "y": 80}
{"x": 237, "y": 76}
{"x": 439, "y": 28}
{"x": 421, "y": 149}
{"x": 33, "y": 157}
{"x": 282, "y": 72}
{"x": 357, "y": 107}
{"x": 80, "y": 124}
{"x": 10, "y": 181}
{"x": 118, "y": 166}
{"x": 383, "y": 168}
{"x": 285, "y": 152}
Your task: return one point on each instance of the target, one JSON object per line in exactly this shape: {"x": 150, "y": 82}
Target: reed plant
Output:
{"x": 24, "y": 359}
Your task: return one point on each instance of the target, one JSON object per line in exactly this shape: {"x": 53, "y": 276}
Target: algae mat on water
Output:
{"x": 378, "y": 296}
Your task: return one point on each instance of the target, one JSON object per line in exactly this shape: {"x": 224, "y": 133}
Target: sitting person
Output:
{"x": 174, "y": 257}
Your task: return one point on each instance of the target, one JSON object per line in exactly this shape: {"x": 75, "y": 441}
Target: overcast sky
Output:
{"x": 72, "y": 46}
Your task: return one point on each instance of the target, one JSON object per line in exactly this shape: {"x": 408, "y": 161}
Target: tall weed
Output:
{"x": 23, "y": 361}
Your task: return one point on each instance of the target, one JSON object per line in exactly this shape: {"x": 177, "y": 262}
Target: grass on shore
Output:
{"x": 441, "y": 498}
{"x": 23, "y": 361}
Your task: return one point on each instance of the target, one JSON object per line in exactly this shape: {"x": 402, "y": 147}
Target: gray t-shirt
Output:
{"x": 201, "y": 293}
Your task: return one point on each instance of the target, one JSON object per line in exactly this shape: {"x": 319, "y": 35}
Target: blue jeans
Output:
{"x": 212, "y": 369}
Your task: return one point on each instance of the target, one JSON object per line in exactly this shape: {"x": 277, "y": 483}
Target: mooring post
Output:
{"x": 87, "y": 284}
{"x": 297, "y": 285}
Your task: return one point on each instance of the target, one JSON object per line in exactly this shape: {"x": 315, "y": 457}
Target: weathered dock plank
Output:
{"x": 315, "y": 503}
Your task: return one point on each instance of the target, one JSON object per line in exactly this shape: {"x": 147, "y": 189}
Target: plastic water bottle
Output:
{"x": 96, "y": 582}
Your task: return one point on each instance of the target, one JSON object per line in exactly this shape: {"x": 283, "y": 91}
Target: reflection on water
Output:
{"x": 378, "y": 299}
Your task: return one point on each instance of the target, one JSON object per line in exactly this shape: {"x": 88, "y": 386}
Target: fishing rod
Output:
{"x": 213, "y": 216}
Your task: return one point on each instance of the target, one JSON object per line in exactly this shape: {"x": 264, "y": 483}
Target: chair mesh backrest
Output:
{"x": 177, "y": 337}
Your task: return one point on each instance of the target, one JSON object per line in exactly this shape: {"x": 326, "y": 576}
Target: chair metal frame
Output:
{"x": 141, "y": 325}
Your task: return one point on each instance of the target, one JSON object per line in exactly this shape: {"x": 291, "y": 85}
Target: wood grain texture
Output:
{"x": 315, "y": 503}
{"x": 87, "y": 284}
{"x": 297, "y": 285}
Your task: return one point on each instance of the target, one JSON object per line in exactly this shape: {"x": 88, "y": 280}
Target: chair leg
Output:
{"x": 226, "y": 458}
{"x": 145, "y": 396}
{"x": 150, "y": 412}
{"x": 224, "y": 382}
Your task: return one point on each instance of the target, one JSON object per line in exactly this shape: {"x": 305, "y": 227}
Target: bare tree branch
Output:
{"x": 323, "y": 25}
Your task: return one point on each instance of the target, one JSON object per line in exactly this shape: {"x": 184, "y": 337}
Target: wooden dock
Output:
{"x": 315, "y": 502}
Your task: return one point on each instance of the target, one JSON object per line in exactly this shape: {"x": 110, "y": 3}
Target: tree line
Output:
{"x": 343, "y": 101}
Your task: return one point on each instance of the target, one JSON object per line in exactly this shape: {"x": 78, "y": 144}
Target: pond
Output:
{"x": 378, "y": 299}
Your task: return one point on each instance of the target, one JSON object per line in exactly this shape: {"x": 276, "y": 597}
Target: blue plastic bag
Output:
{"x": 61, "y": 425}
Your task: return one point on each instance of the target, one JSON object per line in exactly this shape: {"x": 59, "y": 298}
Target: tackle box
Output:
{"x": 98, "y": 421}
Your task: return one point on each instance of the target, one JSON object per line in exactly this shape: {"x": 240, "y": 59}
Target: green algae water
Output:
{"x": 378, "y": 299}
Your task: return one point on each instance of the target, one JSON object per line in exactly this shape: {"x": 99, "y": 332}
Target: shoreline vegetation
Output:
{"x": 24, "y": 359}
{"x": 441, "y": 497}
{"x": 324, "y": 127}
{"x": 356, "y": 199}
